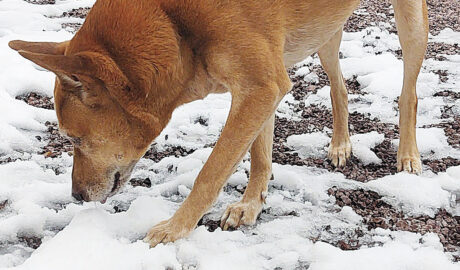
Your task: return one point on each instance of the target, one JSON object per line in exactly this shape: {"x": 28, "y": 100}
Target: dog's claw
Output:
{"x": 410, "y": 165}
{"x": 339, "y": 153}
{"x": 165, "y": 232}
{"x": 240, "y": 213}
{"x": 408, "y": 160}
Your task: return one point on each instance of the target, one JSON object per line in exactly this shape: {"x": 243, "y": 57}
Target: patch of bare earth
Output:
{"x": 316, "y": 119}
{"x": 5, "y": 159}
{"x": 3, "y": 204}
{"x": 56, "y": 143}
{"x": 451, "y": 125}
{"x": 41, "y": 2}
{"x": 375, "y": 13}
{"x": 378, "y": 214}
{"x": 75, "y": 13}
{"x": 441, "y": 14}
{"x": 37, "y": 100}
{"x": 30, "y": 241}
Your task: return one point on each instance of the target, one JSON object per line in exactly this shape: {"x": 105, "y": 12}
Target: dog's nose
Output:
{"x": 77, "y": 196}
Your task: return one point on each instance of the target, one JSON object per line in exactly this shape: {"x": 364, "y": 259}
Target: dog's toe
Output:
{"x": 165, "y": 232}
{"x": 410, "y": 165}
{"x": 157, "y": 234}
{"x": 241, "y": 213}
{"x": 339, "y": 154}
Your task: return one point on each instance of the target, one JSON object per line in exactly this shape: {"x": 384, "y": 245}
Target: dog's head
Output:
{"x": 105, "y": 116}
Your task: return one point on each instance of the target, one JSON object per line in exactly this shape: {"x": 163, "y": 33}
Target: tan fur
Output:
{"x": 133, "y": 62}
{"x": 340, "y": 147}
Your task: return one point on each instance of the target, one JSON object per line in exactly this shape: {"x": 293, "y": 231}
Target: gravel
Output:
{"x": 452, "y": 125}
{"x": 77, "y": 13}
{"x": 6, "y": 159}
{"x": 41, "y": 2}
{"x": 378, "y": 214}
{"x": 441, "y": 14}
{"x": 376, "y": 12}
{"x": 137, "y": 182}
{"x": 441, "y": 165}
{"x": 447, "y": 93}
{"x": 176, "y": 151}
{"x": 316, "y": 118}
{"x": 37, "y": 100}
{"x": 30, "y": 241}
{"x": 56, "y": 143}
{"x": 3, "y": 204}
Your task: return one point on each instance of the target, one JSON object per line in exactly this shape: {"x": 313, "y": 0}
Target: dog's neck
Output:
{"x": 187, "y": 80}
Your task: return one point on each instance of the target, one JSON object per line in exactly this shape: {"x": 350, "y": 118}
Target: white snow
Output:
{"x": 309, "y": 145}
{"x": 432, "y": 143}
{"x": 347, "y": 213}
{"x": 362, "y": 144}
{"x": 298, "y": 207}
{"x": 394, "y": 255}
{"x": 447, "y": 36}
{"x": 303, "y": 71}
{"x": 415, "y": 195}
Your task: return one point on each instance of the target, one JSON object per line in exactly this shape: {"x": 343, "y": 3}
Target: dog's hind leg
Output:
{"x": 246, "y": 211}
{"x": 412, "y": 23}
{"x": 340, "y": 147}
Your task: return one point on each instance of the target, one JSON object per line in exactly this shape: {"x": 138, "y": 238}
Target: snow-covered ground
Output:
{"x": 35, "y": 200}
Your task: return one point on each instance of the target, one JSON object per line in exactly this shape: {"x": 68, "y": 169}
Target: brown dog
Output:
{"x": 133, "y": 62}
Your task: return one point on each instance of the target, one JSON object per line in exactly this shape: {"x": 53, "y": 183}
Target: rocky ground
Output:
{"x": 368, "y": 204}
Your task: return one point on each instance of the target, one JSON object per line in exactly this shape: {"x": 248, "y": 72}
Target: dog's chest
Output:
{"x": 299, "y": 45}
{"x": 305, "y": 41}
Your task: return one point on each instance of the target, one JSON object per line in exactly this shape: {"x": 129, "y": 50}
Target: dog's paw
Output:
{"x": 410, "y": 163}
{"x": 165, "y": 232}
{"x": 339, "y": 153}
{"x": 240, "y": 213}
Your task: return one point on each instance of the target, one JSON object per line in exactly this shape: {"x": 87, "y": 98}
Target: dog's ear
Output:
{"x": 56, "y": 48}
{"x": 50, "y": 55}
{"x": 64, "y": 66}
{"x": 92, "y": 66}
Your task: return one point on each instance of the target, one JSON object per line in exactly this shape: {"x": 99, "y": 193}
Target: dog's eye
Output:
{"x": 94, "y": 106}
{"x": 90, "y": 100}
{"x": 75, "y": 78}
{"x": 70, "y": 84}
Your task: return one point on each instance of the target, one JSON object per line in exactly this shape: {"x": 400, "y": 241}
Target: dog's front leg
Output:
{"x": 245, "y": 212}
{"x": 412, "y": 23}
{"x": 252, "y": 105}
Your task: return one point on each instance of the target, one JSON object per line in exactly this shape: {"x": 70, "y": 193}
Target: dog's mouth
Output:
{"x": 116, "y": 182}
{"x": 120, "y": 177}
